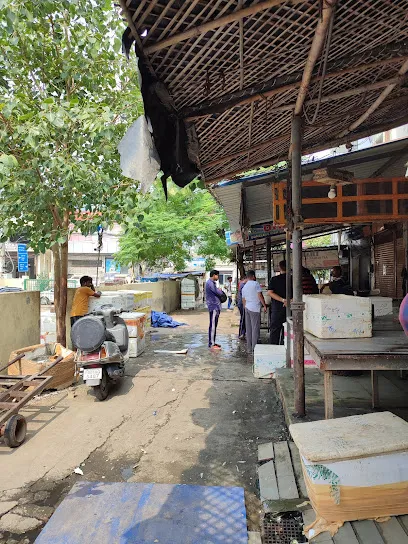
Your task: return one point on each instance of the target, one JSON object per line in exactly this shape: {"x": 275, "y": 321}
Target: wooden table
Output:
{"x": 386, "y": 350}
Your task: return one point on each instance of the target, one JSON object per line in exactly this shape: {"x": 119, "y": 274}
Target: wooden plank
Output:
{"x": 392, "y": 532}
{"x": 375, "y": 403}
{"x": 268, "y": 486}
{"x": 345, "y": 535}
{"x": 328, "y": 394}
{"x": 297, "y": 469}
{"x": 265, "y": 452}
{"x": 367, "y": 532}
{"x": 284, "y": 472}
{"x": 309, "y": 517}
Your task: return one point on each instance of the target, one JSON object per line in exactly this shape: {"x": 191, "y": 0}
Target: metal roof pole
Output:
{"x": 297, "y": 305}
{"x": 288, "y": 297}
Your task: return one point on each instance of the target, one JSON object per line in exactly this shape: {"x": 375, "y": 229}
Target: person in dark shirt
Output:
{"x": 277, "y": 292}
{"x": 309, "y": 285}
{"x": 338, "y": 285}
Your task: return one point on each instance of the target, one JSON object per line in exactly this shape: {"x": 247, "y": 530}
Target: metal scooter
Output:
{"x": 102, "y": 341}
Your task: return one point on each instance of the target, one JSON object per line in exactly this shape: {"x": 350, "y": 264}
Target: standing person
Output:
{"x": 212, "y": 297}
{"x": 309, "y": 285}
{"x": 81, "y": 298}
{"x": 241, "y": 333}
{"x": 277, "y": 292}
{"x": 338, "y": 285}
{"x": 252, "y": 299}
{"x": 228, "y": 290}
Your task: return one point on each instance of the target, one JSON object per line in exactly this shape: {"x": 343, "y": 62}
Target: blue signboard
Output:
{"x": 111, "y": 266}
{"x": 22, "y": 258}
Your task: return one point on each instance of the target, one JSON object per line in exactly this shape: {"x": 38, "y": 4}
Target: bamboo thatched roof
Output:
{"x": 237, "y": 70}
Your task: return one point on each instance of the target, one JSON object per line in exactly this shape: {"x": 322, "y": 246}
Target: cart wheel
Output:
{"x": 15, "y": 431}
{"x": 101, "y": 391}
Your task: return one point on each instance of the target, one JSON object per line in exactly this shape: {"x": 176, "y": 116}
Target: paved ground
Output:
{"x": 352, "y": 394}
{"x": 174, "y": 419}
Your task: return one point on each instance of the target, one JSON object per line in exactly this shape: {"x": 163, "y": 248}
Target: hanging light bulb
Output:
{"x": 332, "y": 193}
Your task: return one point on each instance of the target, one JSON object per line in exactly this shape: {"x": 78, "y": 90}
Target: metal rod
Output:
{"x": 253, "y": 254}
{"x": 268, "y": 258}
{"x": 297, "y": 304}
{"x": 12, "y": 361}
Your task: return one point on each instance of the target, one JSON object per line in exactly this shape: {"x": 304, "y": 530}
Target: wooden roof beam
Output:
{"x": 402, "y": 71}
{"x": 217, "y": 23}
{"x": 375, "y": 129}
{"x": 192, "y": 114}
{"x": 315, "y": 51}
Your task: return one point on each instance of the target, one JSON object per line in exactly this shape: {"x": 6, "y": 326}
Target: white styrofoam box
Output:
{"x": 382, "y": 305}
{"x": 135, "y": 323}
{"x": 188, "y": 286}
{"x": 267, "y": 358}
{"x": 110, "y": 298}
{"x": 136, "y": 346}
{"x": 188, "y": 301}
{"x": 338, "y": 316}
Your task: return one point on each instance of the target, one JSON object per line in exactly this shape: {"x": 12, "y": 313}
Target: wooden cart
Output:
{"x": 15, "y": 392}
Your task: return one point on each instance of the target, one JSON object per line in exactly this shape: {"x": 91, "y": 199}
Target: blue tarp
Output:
{"x": 161, "y": 319}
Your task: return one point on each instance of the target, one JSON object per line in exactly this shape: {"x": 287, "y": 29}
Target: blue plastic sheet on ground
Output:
{"x": 161, "y": 319}
{"x": 135, "y": 513}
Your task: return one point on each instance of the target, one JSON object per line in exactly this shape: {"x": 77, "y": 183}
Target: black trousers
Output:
{"x": 277, "y": 319}
{"x": 75, "y": 318}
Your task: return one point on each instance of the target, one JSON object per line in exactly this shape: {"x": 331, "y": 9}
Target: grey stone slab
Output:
{"x": 18, "y": 524}
{"x": 268, "y": 485}
{"x": 345, "y": 535}
{"x": 254, "y": 538}
{"x": 7, "y": 506}
{"x": 265, "y": 451}
{"x": 367, "y": 532}
{"x": 404, "y": 522}
{"x": 392, "y": 532}
{"x": 309, "y": 517}
{"x": 297, "y": 469}
{"x": 284, "y": 472}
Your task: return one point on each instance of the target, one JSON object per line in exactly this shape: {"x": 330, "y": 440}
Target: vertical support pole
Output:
{"x": 297, "y": 305}
{"x": 253, "y": 254}
{"x": 268, "y": 259}
{"x": 288, "y": 297}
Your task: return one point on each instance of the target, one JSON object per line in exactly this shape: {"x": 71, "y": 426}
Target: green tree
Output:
{"x": 160, "y": 232}
{"x": 66, "y": 96}
{"x": 320, "y": 241}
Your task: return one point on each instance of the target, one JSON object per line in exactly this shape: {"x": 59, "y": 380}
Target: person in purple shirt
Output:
{"x": 403, "y": 314}
{"x": 212, "y": 297}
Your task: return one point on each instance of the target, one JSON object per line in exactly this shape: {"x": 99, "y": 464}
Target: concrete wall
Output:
{"x": 19, "y": 322}
{"x": 12, "y": 282}
{"x": 166, "y": 294}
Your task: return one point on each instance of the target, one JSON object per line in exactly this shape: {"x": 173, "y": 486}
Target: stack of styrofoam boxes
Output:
{"x": 267, "y": 358}
{"x": 309, "y": 361}
{"x": 142, "y": 303}
{"x": 188, "y": 299}
{"x": 337, "y": 316}
{"x": 382, "y": 306}
{"x": 108, "y": 299}
{"x": 135, "y": 322}
{"x": 354, "y": 468}
{"x": 48, "y": 328}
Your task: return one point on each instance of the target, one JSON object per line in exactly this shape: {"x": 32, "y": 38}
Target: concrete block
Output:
{"x": 265, "y": 451}
{"x": 7, "y": 506}
{"x": 18, "y": 524}
{"x": 267, "y": 482}
{"x": 254, "y": 538}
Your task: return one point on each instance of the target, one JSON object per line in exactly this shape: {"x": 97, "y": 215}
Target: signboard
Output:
{"x": 233, "y": 238}
{"x": 111, "y": 266}
{"x": 22, "y": 258}
{"x": 263, "y": 231}
{"x": 314, "y": 260}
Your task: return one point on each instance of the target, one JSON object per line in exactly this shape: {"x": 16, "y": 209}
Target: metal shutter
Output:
{"x": 385, "y": 269}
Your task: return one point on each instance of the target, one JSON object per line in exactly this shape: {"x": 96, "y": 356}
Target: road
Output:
{"x": 193, "y": 419}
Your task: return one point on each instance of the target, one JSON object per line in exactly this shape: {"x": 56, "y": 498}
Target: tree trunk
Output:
{"x": 240, "y": 263}
{"x": 60, "y": 253}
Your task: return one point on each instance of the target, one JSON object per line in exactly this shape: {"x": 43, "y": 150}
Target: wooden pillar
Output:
{"x": 297, "y": 304}
{"x": 253, "y": 254}
{"x": 288, "y": 297}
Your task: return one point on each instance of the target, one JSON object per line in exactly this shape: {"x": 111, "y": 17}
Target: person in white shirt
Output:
{"x": 228, "y": 290}
{"x": 252, "y": 299}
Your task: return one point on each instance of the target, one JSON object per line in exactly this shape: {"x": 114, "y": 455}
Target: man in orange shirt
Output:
{"x": 82, "y": 294}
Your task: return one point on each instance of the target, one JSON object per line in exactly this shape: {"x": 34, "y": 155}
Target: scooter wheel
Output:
{"x": 101, "y": 391}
